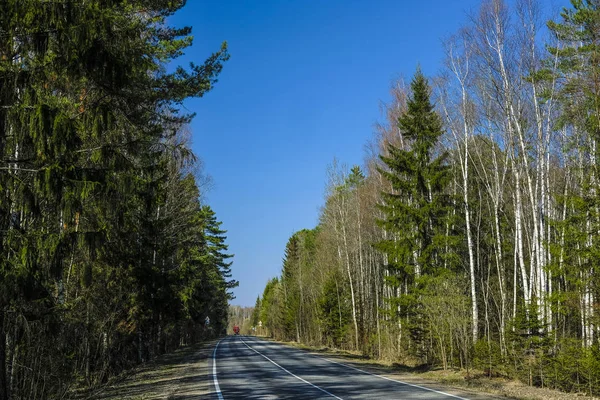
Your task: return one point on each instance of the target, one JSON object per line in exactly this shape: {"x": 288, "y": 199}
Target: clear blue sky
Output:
{"x": 304, "y": 85}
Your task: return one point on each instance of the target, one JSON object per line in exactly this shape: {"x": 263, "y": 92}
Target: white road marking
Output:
{"x": 295, "y": 376}
{"x": 393, "y": 380}
{"x": 215, "y": 380}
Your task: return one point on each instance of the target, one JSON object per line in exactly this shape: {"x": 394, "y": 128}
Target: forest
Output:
{"x": 109, "y": 255}
{"x": 470, "y": 237}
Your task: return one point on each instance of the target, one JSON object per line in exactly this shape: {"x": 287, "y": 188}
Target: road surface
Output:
{"x": 246, "y": 367}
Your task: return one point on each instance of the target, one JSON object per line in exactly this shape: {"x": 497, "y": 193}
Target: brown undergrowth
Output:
{"x": 474, "y": 382}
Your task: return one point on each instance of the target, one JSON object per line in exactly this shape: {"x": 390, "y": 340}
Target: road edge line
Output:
{"x": 295, "y": 376}
{"x": 215, "y": 380}
{"x": 394, "y": 380}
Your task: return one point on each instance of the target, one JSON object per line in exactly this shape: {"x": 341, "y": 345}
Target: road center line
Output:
{"x": 215, "y": 380}
{"x": 394, "y": 380}
{"x": 295, "y": 376}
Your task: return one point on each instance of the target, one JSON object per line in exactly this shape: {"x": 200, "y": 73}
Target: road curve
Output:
{"x": 245, "y": 367}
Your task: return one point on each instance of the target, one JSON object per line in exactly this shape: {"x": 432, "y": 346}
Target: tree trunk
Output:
{"x": 346, "y": 251}
{"x": 474, "y": 310}
{"x": 519, "y": 244}
{"x": 3, "y": 382}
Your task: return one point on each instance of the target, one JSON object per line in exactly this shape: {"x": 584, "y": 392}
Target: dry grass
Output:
{"x": 183, "y": 374}
{"x": 474, "y": 381}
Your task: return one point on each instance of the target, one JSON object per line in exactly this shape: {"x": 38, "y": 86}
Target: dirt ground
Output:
{"x": 181, "y": 375}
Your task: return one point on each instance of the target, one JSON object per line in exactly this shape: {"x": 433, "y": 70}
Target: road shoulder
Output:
{"x": 184, "y": 373}
{"x": 452, "y": 382}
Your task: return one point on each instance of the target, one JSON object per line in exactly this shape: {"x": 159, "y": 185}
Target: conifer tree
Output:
{"x": 578, "y": 59}
{"x": 416, "y": 209}
{"x": 291, "y": 275}
{"x": 87, "y": 111}
{"x": 215, "y": 237}
{"x": 256, "y": 313}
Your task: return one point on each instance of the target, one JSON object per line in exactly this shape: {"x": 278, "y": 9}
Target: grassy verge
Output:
{"x": 183, "y": 373}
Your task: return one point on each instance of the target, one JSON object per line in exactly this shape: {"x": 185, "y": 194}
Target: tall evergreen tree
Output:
{"x": 87, "y": 110}
{"x": 291, "y": 275}
{"x": 578, "y": 61}
{"x": 416, "y": 209}
{"x": 215, "y": 257}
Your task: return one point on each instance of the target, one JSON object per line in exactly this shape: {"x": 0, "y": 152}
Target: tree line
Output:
{"x": 471, "y": 236}
{"x": 108, "y": 256}
{"x": 241, "y": 317}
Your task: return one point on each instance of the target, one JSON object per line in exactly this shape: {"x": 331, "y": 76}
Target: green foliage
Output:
{"x": 335, "y": 310}
{"x": 296, "y": 276}
{"x": 272, "y": 308}
{"x": 579, "y": 64}
{"x": 487, "y": 356}
{"x": 256, "y": 312}
{"x": 390, "y": 254}
{"x": 416, "y": 210}
{"x": 446, "y": 310}
{"x": 105, "y": 250}
{"x": 290, "y": 303}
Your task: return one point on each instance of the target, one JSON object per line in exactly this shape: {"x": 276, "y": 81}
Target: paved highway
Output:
{"x": 246, "y": 367}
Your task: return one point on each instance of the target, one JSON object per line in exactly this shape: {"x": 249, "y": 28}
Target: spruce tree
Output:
{"x": 416, "y": 209}
{"x": 87, "y": 109}
{"x": 216, "y": 248}
{"x": 290, "y": 280}
{"x": 578, "y": 69}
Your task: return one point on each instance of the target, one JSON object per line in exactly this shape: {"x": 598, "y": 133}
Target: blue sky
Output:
{"x": 304, "y": 85}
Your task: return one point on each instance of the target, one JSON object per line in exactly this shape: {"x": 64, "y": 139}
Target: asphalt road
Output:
{"x": 246, "y": 367}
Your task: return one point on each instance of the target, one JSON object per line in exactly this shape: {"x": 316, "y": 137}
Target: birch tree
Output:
{"x": 461, "y": 124}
